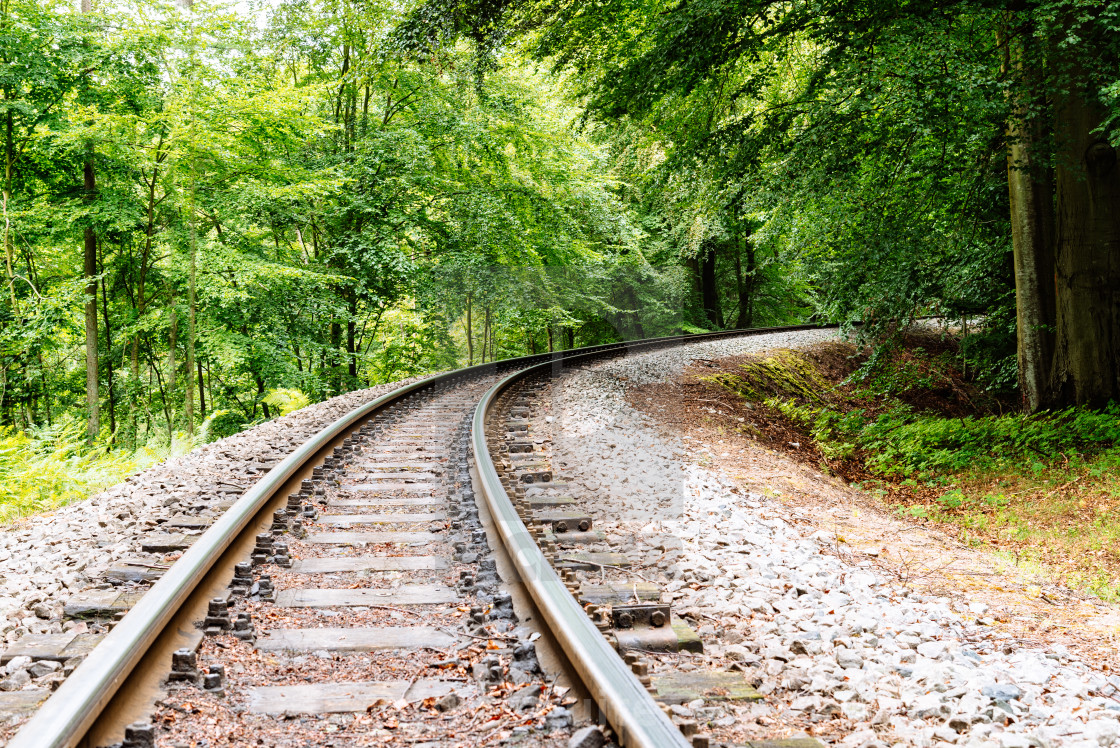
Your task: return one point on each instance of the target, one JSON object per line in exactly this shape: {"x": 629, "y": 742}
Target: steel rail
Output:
{"x": 636, "y": 717}
{"x": 63, "y": 720}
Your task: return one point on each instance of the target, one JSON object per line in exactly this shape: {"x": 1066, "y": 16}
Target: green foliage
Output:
{"x": 286, "y": 400}
{"x": 900, "y": 442}
{"x": 222, "y": 423}
{"x": 409, "y": 344}
{"x": 321, "y": 202}
{"x": 904, "y": 443}
{"x": 843, "y": 160}
{"x": 45, "y": 468}
{"x": 832, "y": 431}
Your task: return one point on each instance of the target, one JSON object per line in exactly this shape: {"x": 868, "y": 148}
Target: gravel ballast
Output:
{"x": 839, "y": 651}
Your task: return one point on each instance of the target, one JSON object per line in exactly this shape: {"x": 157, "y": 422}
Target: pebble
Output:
{"x": 558, "y": 718}
{"x": 587, "y": 737}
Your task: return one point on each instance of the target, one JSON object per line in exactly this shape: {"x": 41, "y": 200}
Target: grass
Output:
{"x": 918, "y": 434}
{"x": 45, "y": 468}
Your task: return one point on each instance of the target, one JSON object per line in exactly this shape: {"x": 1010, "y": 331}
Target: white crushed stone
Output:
{"x": 657, "y": 366}
{"x": 824, "y": 638}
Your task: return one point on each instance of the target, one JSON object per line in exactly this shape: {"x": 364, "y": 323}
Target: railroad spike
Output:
{"x": 139, "y": 735}
{"x": 214, "y": 679}
{"x": 184, "y": 666}
{"x": 217, "y": 617}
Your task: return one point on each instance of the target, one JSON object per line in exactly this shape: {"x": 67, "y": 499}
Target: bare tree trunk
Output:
{"x": 93, "y": 423}
{"x": 109, "y": 350}
{"x": 336, "y": 365}
{"x": 201, "y": 390}
{"x": 745, "y": 281}
{"x": 192, "y": 270}
{"x": 1030, "y": 186}
{"x": 9, "y": 173}
{"x": 210, "y": 382}
{"x": 260, "y": 396}
{"x": 172, "y": 366}
{"x": 1087, "y": 347}
{"x": 351, "y": 342}
{"x": 485, "y": 334}
{"x": 93, "y": 400}
{"x": 470, "y": 338}
{"x": 188, "y": 380}
{"x": 709, "y": 292}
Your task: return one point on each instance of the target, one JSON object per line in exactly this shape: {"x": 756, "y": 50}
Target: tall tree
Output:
{"x": 1030, "y": 182}
{"x": 936, "y": 64}
{"x": 89, "y": 254}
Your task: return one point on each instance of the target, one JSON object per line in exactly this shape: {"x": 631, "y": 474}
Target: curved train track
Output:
{"x": 392, "y": 477}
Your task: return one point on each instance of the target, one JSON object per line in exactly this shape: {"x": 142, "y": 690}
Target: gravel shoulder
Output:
{"x": 860, "y": 629}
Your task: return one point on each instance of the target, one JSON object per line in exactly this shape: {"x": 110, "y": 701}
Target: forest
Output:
{"x": 214, "y": 213}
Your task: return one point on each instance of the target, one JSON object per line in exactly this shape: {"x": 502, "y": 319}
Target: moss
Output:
{"x": 784, "y": 374}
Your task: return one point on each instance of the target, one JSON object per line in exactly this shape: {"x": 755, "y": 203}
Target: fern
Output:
{"x": 286, "y": 400}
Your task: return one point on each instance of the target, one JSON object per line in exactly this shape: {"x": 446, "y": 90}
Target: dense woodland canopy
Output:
{"x": 212, "y": 213}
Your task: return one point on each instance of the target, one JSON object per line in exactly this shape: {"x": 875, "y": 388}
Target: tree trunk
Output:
{"x": 1030, "y": 186}
{"x": 692, "y": 265}
{"x": 1087, "y": 344}
{"x": 260, "y": 396}
{"x": 485, "y": 334}
{"x": 192, "y": 272}
{"x": 351, "y": 342}
{"x": 745, "y": 282}
{"x": 93, "y": 400}
{"x": 109, "y": 351}
{"x": 93, "y": 423}
{"x": 210, "y": 381}
{"x": 188, "y": 374}
{"x": 709, "y": 292}
{"x": 172, "y": 365}
{"x": 201, "y": 390}
{"x": 336, "y": 365}
{"x": 470, "y": 339}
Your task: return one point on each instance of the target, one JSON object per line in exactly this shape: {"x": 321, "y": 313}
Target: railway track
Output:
{"x": 361, "y": 590}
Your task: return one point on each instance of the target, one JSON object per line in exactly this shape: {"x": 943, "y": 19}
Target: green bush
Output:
{"x": 47, "y": 467}
{"x": 223, "y": 423}
{"x": 902, "y": 442}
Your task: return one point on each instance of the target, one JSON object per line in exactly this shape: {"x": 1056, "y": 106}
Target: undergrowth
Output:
{"x": 916, "y": 432}
{"x": 46, "y": 467}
